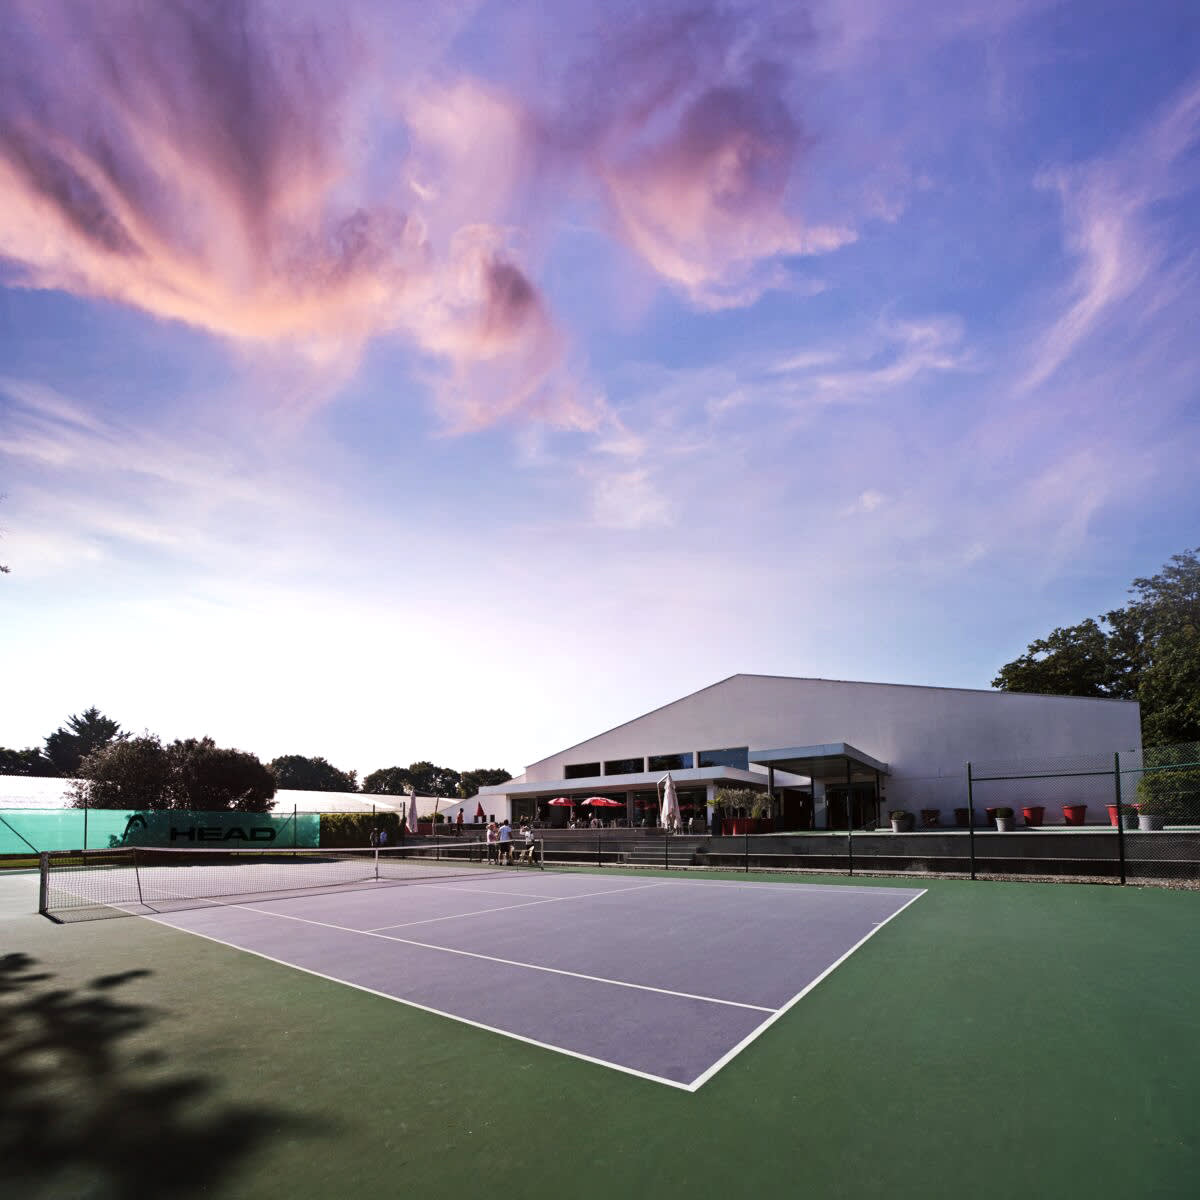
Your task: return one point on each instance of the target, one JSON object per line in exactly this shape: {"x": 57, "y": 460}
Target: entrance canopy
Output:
{"x": 832, "y": 763}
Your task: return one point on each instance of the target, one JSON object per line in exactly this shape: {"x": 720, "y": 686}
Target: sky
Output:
{"x": 455, "y": 381}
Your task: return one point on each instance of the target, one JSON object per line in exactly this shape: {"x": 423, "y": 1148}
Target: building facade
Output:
{"x": 828, "y": 753}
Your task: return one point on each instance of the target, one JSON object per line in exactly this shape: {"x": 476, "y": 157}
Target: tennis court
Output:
{"x": 984, "y": 1039}
{"x": 607, "y": 970}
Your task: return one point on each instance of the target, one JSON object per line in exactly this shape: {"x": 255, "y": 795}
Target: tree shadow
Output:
{"x": 82, "y": 1114}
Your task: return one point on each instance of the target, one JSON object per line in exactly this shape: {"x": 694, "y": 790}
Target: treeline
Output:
{"x": 1148, "y": 650}
{"x": 92, "y": 748}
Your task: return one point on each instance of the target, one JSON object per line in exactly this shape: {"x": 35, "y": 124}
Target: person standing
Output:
{"x": 493, "y": 835}
{"x": 530, "y": 845}
{"x": 382, "y": 837}
{"x": 458, "y": 823}
{"x": 506, "y": 843}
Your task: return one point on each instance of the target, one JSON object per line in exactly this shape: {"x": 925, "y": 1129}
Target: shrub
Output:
{"x": 1170, "y": 792}
{"x": 1003, "y": 813}
{"x": 354, "y": 829}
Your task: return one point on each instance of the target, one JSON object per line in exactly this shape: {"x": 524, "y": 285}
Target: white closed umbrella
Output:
{"x": 670, "y": 806}
{"x": 412, "y": 812}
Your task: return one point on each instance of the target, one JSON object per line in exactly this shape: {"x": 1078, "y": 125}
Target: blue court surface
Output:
{"x": 667, "y": 979}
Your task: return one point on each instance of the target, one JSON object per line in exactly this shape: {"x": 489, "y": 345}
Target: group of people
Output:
{"x": 500, "y": 843}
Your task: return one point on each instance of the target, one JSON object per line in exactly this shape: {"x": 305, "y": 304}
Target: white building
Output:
{"x": 818, "y": 745}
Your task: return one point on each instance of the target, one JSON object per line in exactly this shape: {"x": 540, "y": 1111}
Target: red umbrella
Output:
{"x": 479, "y": 813}
{"x": 602, "y": 802}
{"x": 561, "y": 800}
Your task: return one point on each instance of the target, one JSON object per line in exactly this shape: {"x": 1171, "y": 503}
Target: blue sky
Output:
{"x": 455, "y": 381}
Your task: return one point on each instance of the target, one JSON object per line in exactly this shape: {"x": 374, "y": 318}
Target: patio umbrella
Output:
{"x": 559, "y": 800}
{"x": 412, "y": 812}
{"x": 480, "y": 815}
{"x": 603, "y": 802}
{"x": 670, "y": 806}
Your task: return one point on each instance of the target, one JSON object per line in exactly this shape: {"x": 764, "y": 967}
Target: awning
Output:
{"x": 828, "y": 763}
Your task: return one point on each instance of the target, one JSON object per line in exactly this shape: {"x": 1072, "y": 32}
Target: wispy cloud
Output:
{"x": 1112, "y": 231}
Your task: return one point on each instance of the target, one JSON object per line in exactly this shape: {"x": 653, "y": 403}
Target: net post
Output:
{"x": 376, "y": 864}
{"x": 137, "y": 873}
{"x": 599, "y": 850}
{"x": 747, "y": 845}
{"x": 43, "y": 883}
{"x": 971, "y": 816}
{"x": 1120, "y": 813}
{"x": 540, "y": 854}
{"x": 85, "y": 819}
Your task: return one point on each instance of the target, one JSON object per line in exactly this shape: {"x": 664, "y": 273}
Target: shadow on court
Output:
{"x": 84, "y": 1113}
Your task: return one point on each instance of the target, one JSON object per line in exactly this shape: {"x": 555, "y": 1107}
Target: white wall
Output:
{"x": 926, "y": 735}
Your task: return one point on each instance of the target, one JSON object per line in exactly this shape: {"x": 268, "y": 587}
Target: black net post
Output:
{"x": 85, "y": 817}
{"x": 971, "y": 817}
{"x": 599, "y": 850}
{"x": 1120, "y": 812}
{"x": 43, "y": 882}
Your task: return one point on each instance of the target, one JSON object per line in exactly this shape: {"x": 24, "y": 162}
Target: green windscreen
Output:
{"x": 30, "y": 830}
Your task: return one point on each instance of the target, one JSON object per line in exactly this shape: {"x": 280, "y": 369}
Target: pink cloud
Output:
{"x": 192, "y": 161}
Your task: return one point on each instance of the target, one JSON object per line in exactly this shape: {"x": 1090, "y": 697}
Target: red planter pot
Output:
{"x": 1074, "y": 814}
{"x": 740, "y": 825}
{"x": 1034, "y": 815}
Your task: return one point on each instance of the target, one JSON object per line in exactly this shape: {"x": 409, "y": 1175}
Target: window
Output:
{"x": 670, "y": 762}
{"x": 738, "y": 756}
{"x": 624, "y": 766}
{"x": 581, "y": 770}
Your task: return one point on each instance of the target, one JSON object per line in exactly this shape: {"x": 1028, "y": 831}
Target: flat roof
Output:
{"x": 625, "y": 783}
{"x": 827, "y": 761}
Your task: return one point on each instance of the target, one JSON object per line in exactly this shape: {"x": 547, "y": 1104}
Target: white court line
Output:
{"x": 482, "y": 912}
{"x": 438, "y": 1012}
{"x": 694, "y": 1086}
{"x": 508, "y": 962}
{"x": 705, "y": 1076}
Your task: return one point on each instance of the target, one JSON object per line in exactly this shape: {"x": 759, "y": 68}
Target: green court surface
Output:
{"x": 994, "y": 1040}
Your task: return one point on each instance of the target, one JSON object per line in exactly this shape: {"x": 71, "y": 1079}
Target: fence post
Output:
{"x": 599, "y": 855}
{"x": 849, "y": 817}
{"x": 294, "y": 838}
{"x": 971, "y": 817}
{"x": 747, "y": 833}
{"x": 1120, "y": 813}
{"x": 85, "y": 819}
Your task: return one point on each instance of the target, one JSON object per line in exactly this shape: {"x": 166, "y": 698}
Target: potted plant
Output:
{"x": 1004, "y": 820}
{"x": 1034, "y": 814}
{"x": 1151, "y": 815}
{"x": 1168, "y": 795}
{"x": 902, "y": 821}
{"x": 746, "y": 810}
{"x": 1123, "y": 811}
{"x": 1074, "y": 814}
{"x": 962, "y": 818}
{"x": 931, "y": 818}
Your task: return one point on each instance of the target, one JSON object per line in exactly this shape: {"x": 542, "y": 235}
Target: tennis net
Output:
{"x": 85, "y": 884}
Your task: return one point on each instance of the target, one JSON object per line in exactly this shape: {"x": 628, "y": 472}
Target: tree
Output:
{"x": 86, "y": 731}
{"x": 469, "y": 782}
{"x": 30, "y": 761}
{"x": 388, "y": 781}
{"x": 195, "y": 775}
{"x": 209, "y": 778}
{"x": 1072, "y": 661}
{"x": 422, "y": 777}
{"x": 134, "y": 772}
{"x": 311, "y": 774}
{"x": 430, "y": 780}
{"x": 1149, "y": 650}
